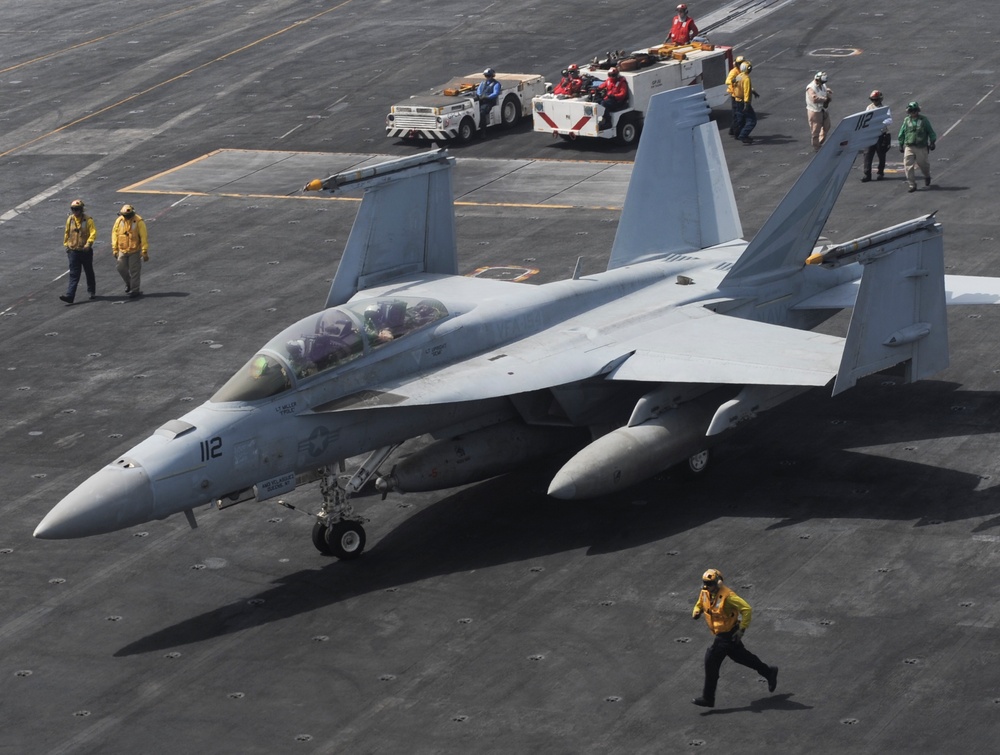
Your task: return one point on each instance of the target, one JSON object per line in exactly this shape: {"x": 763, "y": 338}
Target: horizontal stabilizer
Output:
{"x": 680, "y": 197}
{"x": 899, "y": 315}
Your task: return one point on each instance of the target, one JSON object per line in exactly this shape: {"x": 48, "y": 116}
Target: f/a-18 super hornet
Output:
{"x": 690, "y": 331}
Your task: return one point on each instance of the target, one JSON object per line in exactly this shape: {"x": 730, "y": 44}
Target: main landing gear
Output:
{"x": 338, "y": 531}
{"x": 697, "y": 464}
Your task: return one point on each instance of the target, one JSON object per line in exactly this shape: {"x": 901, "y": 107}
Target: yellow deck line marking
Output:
{"x": 95, "y": 40}
{"x": 172, "y": 79}
{"x": 137, "y": 188}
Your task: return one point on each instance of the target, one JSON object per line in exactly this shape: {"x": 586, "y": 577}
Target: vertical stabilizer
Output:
{"x": 680, "y": 197}
{"x": 789, "y": 235}
{"x": 405, "y": 225}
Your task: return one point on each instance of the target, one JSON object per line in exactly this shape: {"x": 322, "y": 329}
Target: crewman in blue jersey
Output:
{"x": 488, "y": 92}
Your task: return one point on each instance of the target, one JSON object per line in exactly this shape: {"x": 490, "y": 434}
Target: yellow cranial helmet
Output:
{"x": 711, "y": 576}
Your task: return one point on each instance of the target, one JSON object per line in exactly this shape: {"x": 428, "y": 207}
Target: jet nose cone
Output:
{"x": 114, "y": 498}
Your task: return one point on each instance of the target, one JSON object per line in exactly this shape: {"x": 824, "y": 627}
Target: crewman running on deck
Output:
{"x": 728, "y": 616}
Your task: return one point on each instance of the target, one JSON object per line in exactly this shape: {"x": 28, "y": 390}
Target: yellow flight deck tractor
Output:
{"x": 648, "y": 71}
{"x": 452, "y": 111}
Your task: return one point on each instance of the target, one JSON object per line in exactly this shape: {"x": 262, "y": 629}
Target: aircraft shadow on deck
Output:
{"x": 510, "y": 518}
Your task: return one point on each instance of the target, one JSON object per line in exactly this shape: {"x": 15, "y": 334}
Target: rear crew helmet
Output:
{"x": 875, "y": 95}
{"x": 820, "y": 76}
{"x": 573, "y": 68}
{"x": 76, "y": 204}
{"x": 127, "y": 211}
{"x": 913, "y": 105}
{"x": 613, "y": 72}
{"x": 745, "y": 67}
{"x": 711, "y": 576}
{"x": 682, "y": 8}
{"x": 489, "y": 73}
{"x": 739, "y": 59}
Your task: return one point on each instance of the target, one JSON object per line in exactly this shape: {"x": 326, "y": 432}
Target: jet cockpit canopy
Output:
{"x": 327, "y": 340}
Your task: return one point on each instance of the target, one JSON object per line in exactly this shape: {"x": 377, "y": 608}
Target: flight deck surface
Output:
{"x": 863, "y": 529}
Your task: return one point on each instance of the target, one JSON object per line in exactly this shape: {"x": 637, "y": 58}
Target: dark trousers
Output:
{"x": 80, "y": 259}
{"x": 610, "y": 106}
{"x": 485, "y": 106}
{"x": 727, "y": 645}
{"x": 737, "y": 115}
{"x": 880, "y": 148}
{"x": 737, "y": 118}
{"x": 748, "y": 121}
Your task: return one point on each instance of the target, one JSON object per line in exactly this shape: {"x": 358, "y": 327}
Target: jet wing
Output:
{"x": 712, "y": 348}
{"x": 958, "y": 290}
{"x": 691, "y": 345}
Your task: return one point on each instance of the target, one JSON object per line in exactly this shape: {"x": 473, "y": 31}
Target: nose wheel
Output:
{"x": 344, "y": 539}
{"x": 336, "y": 531}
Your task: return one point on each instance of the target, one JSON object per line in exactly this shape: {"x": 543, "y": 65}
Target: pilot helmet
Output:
{"x": 127, "y": 211}
{"x": 259, "y": 367}
{"x": 371, "y": 312}
{"x": 334, "y": 323}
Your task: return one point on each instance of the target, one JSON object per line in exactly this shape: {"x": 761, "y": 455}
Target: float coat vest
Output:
{"x": 721, "y": 616}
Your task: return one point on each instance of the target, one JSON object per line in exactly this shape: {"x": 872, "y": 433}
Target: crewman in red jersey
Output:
{"x": 683, "y": 29}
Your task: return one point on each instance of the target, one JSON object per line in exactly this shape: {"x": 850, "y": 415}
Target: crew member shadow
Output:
{"x": 774, "y": 702}
{"x": 153, "y": 295}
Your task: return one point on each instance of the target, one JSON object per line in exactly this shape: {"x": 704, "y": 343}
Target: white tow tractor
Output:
{"x": 452, "y": 111}
{"x": 648, "y": 71}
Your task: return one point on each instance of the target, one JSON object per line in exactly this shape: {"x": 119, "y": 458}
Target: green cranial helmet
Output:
{"x": 913, "y": 106}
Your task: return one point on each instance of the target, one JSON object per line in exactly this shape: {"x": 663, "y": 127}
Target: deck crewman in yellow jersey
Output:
{"x": 78, "y": 238}
{"x": 728, "y": 616}
{"x": 128, "y": 242}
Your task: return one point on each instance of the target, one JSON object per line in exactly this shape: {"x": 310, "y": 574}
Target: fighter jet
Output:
{"x": 688, "y": 332}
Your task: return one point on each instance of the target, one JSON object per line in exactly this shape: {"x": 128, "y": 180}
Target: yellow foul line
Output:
{"x": 95, "y": 40}
{"x": 175, "y": 78}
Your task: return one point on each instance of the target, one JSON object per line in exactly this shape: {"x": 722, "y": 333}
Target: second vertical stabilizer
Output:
{"x": 789, "y": 235}
{"x": 680, "y": 197}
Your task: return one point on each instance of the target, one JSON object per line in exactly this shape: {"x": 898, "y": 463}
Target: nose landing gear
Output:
{"x": 337, "y": 531}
